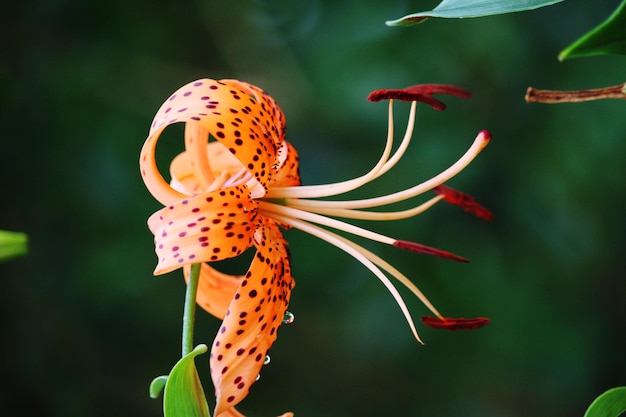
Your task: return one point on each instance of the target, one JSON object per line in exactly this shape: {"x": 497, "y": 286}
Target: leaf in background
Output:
{"x": 183, "y": 394}
{"x": 611, "y": 403}
{"x": 607, "y": 38}
{"x": 12, "y": 244}
{"x": 471, "y": 8}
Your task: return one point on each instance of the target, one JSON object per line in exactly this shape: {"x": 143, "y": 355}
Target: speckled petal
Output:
{"x": 242, "y": 117}
{"x": 208, "y": 227}
{"x": 270, "y": 113}
{"x": 252, "y": 319}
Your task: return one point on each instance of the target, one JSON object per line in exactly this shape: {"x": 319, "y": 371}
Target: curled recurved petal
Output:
{"x": 245, "y": 120}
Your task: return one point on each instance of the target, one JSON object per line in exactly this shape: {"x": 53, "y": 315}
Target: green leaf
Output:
{"x": 183, "y": 394}
{"x": 607, "y": 38}
{"x": 12, "y": 244}
{"x": 471, "y": 8}
{"x": 157, "y": 385}
{"x": 611, "y": 403}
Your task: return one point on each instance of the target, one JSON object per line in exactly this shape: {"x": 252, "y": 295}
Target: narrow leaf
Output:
{"x": 471, "y": 8}
{"x": 611, "y": 403}
{"x": 183, "y": 394}
{"x": 607, "y": 38}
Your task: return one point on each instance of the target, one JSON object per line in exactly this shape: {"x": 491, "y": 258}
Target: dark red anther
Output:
{"x": 453, "y": 324}
{"x": 465, "y": 201}
{"x": 405, "y": 95}
{"x": 428, "y": 250}
{"x": 422, "y": 93}
{"x": 430, "y": 89}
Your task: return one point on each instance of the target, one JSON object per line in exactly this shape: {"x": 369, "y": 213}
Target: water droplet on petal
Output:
{"x": 267, "y": 360}
{"x": 289, "y": 317}
{"x": 258, "y": 377}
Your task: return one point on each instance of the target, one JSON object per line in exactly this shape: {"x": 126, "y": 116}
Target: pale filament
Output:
{"x": 272, "y": 210}
{"x": 373, "y": 215}
{"x": 297, "y": 222}
{"x": 478, "y": 145}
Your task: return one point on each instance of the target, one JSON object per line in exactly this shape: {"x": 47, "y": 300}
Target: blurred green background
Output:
{"x": 85, "y": 326}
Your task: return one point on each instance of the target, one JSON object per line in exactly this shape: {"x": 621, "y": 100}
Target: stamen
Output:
{"x": 356, "y": 252}
{"x": 427, "y": 250}
{"x": 465, "y": 201}
{"x": 453, "y": 324}
{"x": 272, "y": 209}
{"x": 391, "y": 270}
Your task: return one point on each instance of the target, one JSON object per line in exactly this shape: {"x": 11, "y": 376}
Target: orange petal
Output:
{"x": 215, "y": 289}
{"x": 252, "y": 319}
{"x": 272, "y": 117}
{"x": 208, "y": 227}
{"x": 242, "y": 117}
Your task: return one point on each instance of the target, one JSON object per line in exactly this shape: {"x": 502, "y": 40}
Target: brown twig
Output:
{"x": 552, "y": 96}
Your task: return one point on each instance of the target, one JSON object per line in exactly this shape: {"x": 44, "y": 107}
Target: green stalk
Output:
{"x": 189, "y": 312}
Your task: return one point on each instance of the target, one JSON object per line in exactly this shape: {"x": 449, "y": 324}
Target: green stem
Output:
{"x": 189, "y": 312}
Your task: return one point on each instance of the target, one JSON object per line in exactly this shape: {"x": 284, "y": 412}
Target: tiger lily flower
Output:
{"x": 231, "y": 193}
